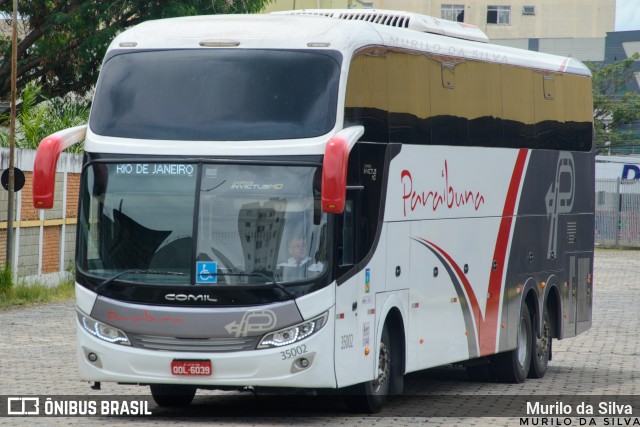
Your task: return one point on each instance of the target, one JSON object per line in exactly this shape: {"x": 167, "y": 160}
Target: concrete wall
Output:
{"x": 44, "y": 241}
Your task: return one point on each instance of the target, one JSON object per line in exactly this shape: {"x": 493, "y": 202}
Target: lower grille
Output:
{"x": 204, "y": 345}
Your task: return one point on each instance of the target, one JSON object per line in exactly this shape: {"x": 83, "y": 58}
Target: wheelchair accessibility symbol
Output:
{"x": 206, "y": 272}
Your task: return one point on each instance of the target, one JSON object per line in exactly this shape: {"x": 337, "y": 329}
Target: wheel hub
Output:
{"x": 522, "y": 343}
{"x": 383, "y": 368}
{"x": 542, "y": 347}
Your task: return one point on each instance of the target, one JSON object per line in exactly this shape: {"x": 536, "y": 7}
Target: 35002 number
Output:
{"x": 346, "y": 341}
{"x": 295, "y": 351}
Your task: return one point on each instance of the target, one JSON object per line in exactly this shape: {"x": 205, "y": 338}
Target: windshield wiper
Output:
{"x": 272, "y": 281}
{"x": 135, "y": 271}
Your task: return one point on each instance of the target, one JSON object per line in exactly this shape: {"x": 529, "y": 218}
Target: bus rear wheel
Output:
{"x": 513, "y": 366}
{"x": 370, "y": 397}
{"x": 172, "y": 395}
{"x": 541, "y": 349}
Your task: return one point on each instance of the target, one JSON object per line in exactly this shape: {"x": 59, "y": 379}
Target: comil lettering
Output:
{"x": 189, "y": 297}
{"x": 449, "y": 197}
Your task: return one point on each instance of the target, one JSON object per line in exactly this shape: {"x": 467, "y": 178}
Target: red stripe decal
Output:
{"x": 487, "y": 326}
{"x": 473, "y": 301}
{"x": 564, "y": 65}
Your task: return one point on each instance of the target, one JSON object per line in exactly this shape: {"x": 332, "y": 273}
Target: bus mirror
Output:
{"x": 334, "y": 168}
{"x": 44, "y": 167}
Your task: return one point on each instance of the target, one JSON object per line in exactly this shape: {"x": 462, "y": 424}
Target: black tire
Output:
{"x": 541, "y": 349}
{"x": 513, "y": 366}
{"x": 396, "y": 380}
{"x": 171, "y": 395}
{"x": 369, "y": 397}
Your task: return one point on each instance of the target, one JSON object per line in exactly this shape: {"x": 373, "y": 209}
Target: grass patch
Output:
{"x": 6, "y": 281}
{"x": 28, "y": 294}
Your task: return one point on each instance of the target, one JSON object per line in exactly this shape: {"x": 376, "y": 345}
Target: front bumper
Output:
{"x": 276, "y": 367}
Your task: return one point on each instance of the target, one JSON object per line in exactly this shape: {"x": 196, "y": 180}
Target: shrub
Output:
{"x": 6, "y": 282}
{"x": 39, "y": 117}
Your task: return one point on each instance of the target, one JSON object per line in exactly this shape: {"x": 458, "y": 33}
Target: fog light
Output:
{"x": 92, "y": 357}
{"x": 303, "y": 363}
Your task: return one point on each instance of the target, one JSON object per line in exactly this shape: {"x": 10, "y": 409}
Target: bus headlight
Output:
{"x": 100, "y": 330}
{"x": 294, "y": 333}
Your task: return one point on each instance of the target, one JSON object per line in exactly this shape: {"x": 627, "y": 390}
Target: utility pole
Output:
{"x": 12, "y": 134}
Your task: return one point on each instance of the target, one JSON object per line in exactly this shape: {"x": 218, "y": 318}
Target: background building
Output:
{"x": 499, "y": 19}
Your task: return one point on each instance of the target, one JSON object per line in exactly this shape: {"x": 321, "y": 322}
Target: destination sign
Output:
{"x": 154, "y": 169}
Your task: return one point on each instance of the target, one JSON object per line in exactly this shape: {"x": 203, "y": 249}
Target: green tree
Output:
{"x": 36, "y": 120}
{"x": 615, "y": 106}
{"x": 61, "y": 43}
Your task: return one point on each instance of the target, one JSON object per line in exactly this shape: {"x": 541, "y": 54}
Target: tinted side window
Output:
{"x": 367, "y": 102}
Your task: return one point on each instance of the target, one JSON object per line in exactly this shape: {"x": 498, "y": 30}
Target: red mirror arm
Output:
{"x": 44, "y": 167}
{"x": 334, "y": 168}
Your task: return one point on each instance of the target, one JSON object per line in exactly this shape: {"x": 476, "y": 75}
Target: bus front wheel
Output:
{"x": 370, "y": 396}
{"x": 172, "y": 396}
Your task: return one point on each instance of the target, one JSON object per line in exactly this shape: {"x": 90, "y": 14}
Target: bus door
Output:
{"x": 360, "y": 268}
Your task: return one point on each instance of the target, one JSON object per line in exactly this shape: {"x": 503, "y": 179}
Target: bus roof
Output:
{"x": 248, "y": 31}
{"x": 333, "y": 30}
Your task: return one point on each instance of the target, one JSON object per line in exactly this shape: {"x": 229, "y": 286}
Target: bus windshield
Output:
{"x": 217, "y": 94}
{"x": 253, "y": 224}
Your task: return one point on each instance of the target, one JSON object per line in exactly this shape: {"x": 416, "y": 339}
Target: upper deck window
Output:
{"x": 217, "y": 94}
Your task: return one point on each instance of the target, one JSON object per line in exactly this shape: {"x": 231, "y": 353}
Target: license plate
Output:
{"x": 191, "y": 367}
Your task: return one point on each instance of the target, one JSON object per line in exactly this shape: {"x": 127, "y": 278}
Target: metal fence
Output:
{"x": 617, "y": 221}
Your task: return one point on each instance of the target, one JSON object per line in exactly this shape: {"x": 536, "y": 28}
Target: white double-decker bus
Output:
{"x": 327, "y": 200}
